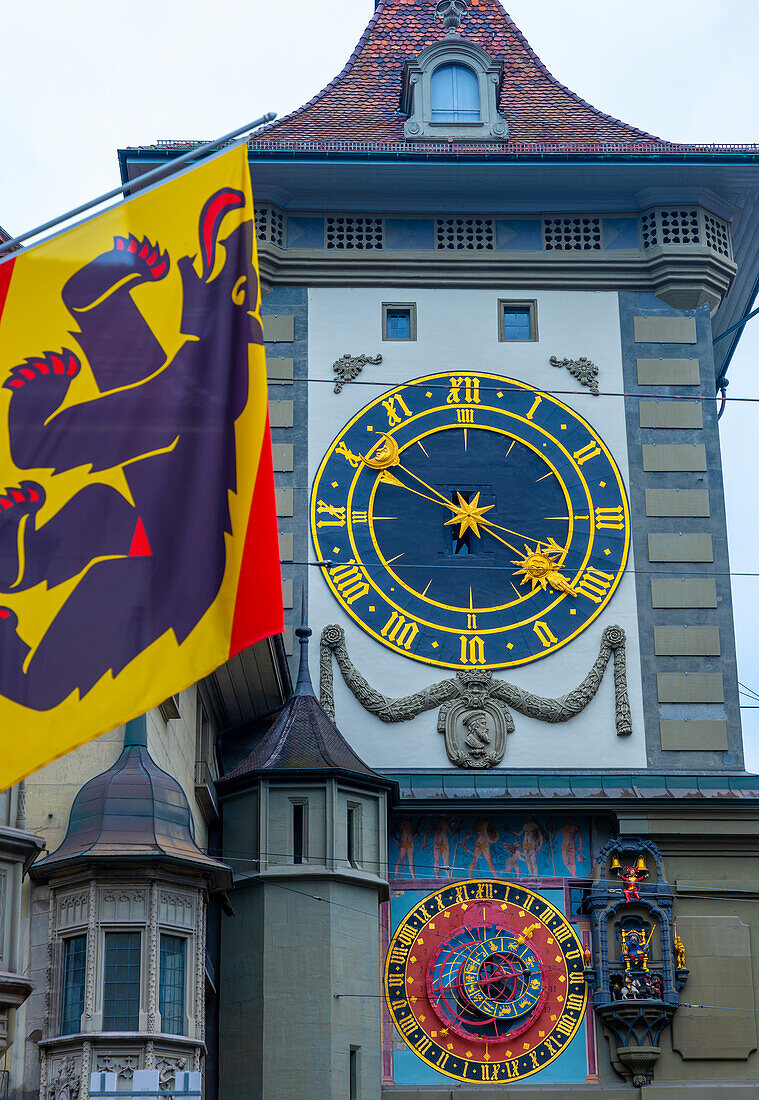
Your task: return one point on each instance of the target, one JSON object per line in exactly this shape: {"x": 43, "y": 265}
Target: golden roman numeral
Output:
{"x": 349, "y": 581}
{"x": 392, "y": 414}
{"x": 585, "y": 453}
{"x": 397, "y": 629}
{"x": 472, "y": 650}
{"x": 534, "y": 407}
{"x": 594, "y": 584}
{"x": 610, "y": 519}
{"x": 545, "y": 634}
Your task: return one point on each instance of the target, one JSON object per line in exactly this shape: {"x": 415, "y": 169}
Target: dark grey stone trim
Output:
{"x": 632, "y": 305}
{"x": 292, "y": 301}
{"x": 697, "y": 274}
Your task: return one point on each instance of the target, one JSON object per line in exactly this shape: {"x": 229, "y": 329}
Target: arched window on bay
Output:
{"x": 454, "y": 94}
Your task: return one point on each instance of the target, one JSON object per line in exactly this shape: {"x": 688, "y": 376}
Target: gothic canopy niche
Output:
{"x": 451, "y": 91}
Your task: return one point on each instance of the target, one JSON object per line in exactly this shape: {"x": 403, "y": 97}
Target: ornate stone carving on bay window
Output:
{"x": 451, "y": 91}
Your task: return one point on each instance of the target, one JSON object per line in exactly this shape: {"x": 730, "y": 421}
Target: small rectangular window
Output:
{"x": 171, "y": 984}
{"x": 353, "y": 822}
{"x": 299, "y": 814}
{"x": 517, "y": 321}
{"x": 121, "y": 985}
{"x": 74, "y": 963}
{"x": 398, "y": 321}
{"x": 353, "y": 1073}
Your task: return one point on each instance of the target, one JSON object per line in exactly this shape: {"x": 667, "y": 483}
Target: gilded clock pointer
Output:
{"x": 470, "y": 520}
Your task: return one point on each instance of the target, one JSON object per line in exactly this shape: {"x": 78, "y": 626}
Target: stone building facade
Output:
{"x": 511, "y": 846}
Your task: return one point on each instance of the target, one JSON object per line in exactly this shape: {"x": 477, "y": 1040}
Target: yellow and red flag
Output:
{"x": 138, "y": 536}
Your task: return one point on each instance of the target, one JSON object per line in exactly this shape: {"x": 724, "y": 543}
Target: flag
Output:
{"x": 138, "y": 539}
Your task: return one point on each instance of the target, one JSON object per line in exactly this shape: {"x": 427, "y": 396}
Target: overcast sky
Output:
{"x": 82, "y": 78}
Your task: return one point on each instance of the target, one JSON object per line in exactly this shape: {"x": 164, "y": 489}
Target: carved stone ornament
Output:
{"x": 348, "y": 367}
{"x": 583, "y": 369}
{"x": 451, "y": 12}
{"x": 474, "y": 715}
{"x": 123, "y": 1065}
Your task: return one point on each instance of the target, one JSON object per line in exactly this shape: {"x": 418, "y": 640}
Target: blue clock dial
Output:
{"x": 470, "y": 520}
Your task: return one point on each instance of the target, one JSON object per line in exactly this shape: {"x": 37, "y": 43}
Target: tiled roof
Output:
{"x": 362, "y": 103}
{"x": 303, "y": 738}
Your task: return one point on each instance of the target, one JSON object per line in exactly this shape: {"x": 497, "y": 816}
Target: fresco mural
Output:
{"x": 508, "y": 846}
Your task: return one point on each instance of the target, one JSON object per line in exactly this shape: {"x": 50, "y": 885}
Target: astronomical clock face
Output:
{"x": 470, "y": 520}
{"x": 484, "y": 980}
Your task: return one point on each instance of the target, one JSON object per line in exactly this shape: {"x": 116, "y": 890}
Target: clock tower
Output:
{"x": 491, "y": 315}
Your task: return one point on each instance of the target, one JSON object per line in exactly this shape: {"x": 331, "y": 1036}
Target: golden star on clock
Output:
{"x": 468, "y": 515}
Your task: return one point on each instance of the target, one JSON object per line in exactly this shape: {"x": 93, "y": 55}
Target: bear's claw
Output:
{"x": 64, "y": 364}
{"x": 157, "y": 262}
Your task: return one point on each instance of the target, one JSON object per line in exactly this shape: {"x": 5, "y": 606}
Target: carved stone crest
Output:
{"x": 476, "y": 725}
{"x": 583, "y": 369}
{"x": 348, "y": 367}
{"x": 473, "y": 707}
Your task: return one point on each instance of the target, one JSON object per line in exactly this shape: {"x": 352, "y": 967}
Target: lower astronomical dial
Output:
{"x": 484, "y": 980}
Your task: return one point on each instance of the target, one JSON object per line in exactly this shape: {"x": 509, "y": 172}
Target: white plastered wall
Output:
{"x": 458, "y": 330}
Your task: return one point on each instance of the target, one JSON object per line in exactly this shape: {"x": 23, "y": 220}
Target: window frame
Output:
{"x": 416, "y": 96}
{"x": 454, "y": 65}
{"x": 354, "y": 831}
{"x": 186, "y": 940}
{"x": 303, "y": 804}
{"x": 411, "y": 307}
{"x": 530, "y": 304}
{"x": 64, "y": 941}
{"x": 121, "y": 929}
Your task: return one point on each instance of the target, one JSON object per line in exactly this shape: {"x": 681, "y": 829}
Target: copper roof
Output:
{"x": 134, "y": 809}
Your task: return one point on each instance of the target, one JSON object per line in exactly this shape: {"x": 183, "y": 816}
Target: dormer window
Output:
{"x": 454, "y": 94}
{"x": 451, "y": 91}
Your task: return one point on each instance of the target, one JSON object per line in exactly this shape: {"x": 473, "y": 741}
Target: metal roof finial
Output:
{"x": 303, "y": 633}
{"x": 451, "y": 12}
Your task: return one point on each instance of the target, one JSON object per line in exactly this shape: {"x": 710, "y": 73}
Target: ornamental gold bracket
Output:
{"x": 473, "y": 712}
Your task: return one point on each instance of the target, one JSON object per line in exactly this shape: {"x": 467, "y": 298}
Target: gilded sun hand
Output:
{"x": 541, "y": 566}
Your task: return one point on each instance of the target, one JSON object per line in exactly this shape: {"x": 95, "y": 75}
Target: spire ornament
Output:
{"x": 451, "y": 12}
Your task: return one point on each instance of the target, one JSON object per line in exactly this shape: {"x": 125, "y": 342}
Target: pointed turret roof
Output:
{"x": 362, "y": 103}
{"x": 132, "y": 810}
{"x": 303, "y": 739}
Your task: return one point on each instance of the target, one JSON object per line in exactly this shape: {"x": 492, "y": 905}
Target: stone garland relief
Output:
{"x": 473, "y": 713}
{"x": 348, "y": 367}
{"x": 583, "y": 369}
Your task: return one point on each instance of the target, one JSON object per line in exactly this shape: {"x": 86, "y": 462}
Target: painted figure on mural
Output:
{"x": 442, "y": 831}
{"x": 405, "y": 834}
{"x": 533, "y": 839}
{"x": 484, "y": 834}
{"x": 571, "y": 846}
{"x": 514, "y": 856}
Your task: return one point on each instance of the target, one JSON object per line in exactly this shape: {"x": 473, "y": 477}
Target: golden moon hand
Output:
{"x": 385, "y": 454}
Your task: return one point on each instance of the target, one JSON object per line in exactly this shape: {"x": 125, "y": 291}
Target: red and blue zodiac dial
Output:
{"x": 484, "y": 980}
{"x": 470, "y": 520}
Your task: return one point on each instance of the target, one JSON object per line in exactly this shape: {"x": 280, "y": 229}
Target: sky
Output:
{"x": 81, "y": 79}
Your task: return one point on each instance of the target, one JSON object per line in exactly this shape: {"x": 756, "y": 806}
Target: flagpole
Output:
{"x": 140, "y": 181}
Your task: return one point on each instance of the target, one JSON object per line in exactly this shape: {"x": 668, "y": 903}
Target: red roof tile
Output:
{"x": 361, "y": 105}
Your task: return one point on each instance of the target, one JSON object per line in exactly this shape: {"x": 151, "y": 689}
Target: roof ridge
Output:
{"x": 335, "y": 79}
{"x": 564, "y": 88}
